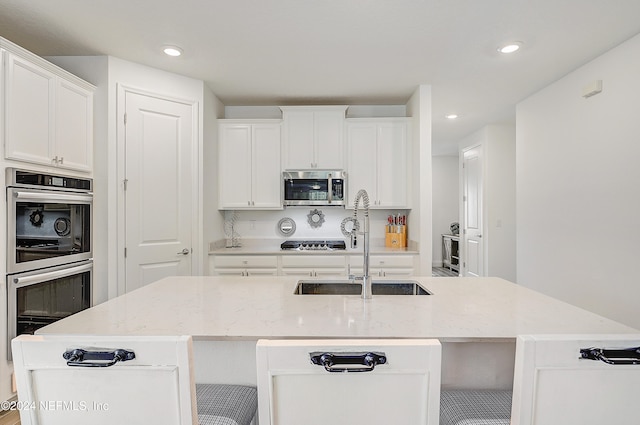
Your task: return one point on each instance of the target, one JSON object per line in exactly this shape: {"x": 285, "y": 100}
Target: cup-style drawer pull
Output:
{"x": 330, "y": 360}
{"x": 612, "y": 356}
{"x": 84, "y": 358}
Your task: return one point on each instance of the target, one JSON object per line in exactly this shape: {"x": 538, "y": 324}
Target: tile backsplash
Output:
{"x": 263, "y": 224}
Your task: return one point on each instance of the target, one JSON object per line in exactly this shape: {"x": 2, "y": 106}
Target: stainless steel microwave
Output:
{"x": 314, "y": 187}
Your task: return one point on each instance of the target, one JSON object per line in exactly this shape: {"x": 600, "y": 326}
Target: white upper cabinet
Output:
{"x": 48, "y": 117}
{"x": 74, "y": 126}
{"x": 377, "y": 161}
{"x": 313, "y": 137}
{"x": 249, "y": 165}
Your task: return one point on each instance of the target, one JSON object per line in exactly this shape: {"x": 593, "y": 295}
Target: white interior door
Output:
{"x": 158, "y": 197}
{"x": 403, "y": 390}
{"x": 473, "y": 252}
{"x": 155, "y": 387}
{"x": 554, "y": 385}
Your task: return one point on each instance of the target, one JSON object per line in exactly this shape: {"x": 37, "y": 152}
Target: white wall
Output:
{"x": 578, "y": 185}
{"x": 500, "y": 196}
{"x": 445, "y": 201}
{"x": 108, "y": 73}
{"x": 94, "y": 70}
{"x": 420, "y": 217}
{"x": 213, "y": 223}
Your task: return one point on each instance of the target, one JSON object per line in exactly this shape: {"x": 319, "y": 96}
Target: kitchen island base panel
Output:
{"x": 225, "y": 362}
{"x": 487, "y": 364}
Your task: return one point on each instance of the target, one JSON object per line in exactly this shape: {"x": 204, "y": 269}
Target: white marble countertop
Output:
{"x": 247, "y": 308}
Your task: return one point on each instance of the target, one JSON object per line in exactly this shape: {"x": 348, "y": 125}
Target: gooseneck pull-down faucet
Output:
{"x": 366, "y": 278}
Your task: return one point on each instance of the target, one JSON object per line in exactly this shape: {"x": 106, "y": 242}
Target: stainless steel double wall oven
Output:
{"x": 49, "y": 248}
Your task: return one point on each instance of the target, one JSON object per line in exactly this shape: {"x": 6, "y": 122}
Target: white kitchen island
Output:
{"x": 247, "y": 308}
{"x": 476, "y": 319}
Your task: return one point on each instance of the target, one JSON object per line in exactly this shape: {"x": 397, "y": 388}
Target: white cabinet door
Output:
{"x": 329, "y": 145}
{"x": 392, "y": 165}
{"x": 154, "y": 387}
{"x": 384, "y": 265}
{"x": 303, "y": 265}
{"x": 249, "y": 166}
{"x": 74, "y": 127}
{"x": 234, "y": 175}
{"x": 362, "y": 156}
{"x": 378, "y": 161}
{"x": 298, "y": 150}
{"x": 245, "y": 265}
{"x": 266, "y": 177}
{"x": 313, "y": 138}
{"x": 554, "y": 385}
{"x": 402, "y": 389}
{"x": 29, "y": 92}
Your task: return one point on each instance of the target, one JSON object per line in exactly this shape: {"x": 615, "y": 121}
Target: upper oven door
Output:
{"x": 47, "y": 228}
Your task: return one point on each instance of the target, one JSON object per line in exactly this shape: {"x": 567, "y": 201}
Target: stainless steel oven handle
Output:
{"x": 56, "y": 197}
{"x": 43, "y": 277}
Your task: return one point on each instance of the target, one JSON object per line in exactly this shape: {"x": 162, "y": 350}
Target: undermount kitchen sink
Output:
{"x": 349, "y": 287}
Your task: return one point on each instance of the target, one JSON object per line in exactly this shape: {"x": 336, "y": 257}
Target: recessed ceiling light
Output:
{"x": 172, "y": 50}
{"x": 451, "y": 116}
{"x": 510, "y": 47}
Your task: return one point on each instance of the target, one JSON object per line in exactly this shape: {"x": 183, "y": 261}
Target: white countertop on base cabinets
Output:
{"x": 272, "y": 247}
{"x": 249, "y": 308}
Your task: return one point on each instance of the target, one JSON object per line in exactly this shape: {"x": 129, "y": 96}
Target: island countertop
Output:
{"x": 249, "y": 308}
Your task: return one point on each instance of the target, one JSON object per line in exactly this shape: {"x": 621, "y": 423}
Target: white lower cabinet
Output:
{"x": 313, "y": 265}
{"x": 245, "y": 265}
{"x": 310, "y": 265}
{"x": 384, "y": 265}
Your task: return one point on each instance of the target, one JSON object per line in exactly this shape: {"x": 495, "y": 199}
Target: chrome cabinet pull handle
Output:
{"x": 628, "y": 356}
{"x": 329, "y": 360}
{"x": 83, "y": 358}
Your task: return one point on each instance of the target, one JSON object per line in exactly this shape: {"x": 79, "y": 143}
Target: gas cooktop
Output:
{"x": 327, "y": 245}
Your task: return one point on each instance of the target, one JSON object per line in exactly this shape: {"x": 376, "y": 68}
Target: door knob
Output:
{"x": 184, "y": 252}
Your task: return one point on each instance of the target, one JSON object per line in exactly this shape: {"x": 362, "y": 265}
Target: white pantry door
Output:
{"x": 158, "y": 189}
{"x": 473, "y": 248}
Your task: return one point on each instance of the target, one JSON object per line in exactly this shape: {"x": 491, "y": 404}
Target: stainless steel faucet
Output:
{"x": 366, "y": 279}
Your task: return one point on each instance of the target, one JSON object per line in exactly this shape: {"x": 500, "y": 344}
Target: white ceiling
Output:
{"x": 274, "y": 52}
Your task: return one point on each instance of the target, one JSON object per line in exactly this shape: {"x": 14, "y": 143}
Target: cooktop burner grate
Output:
{"x": 318, "y": 245}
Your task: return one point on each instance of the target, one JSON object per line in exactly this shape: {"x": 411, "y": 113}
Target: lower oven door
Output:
{"x": 41, "y": 297}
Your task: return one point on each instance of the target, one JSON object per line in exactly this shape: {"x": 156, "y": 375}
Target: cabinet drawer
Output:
{"x": 318, "y": 272}
{"x": 313, "y": 261}
{"x": 245, "y": 261}
{"x": 384, "y": 261}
